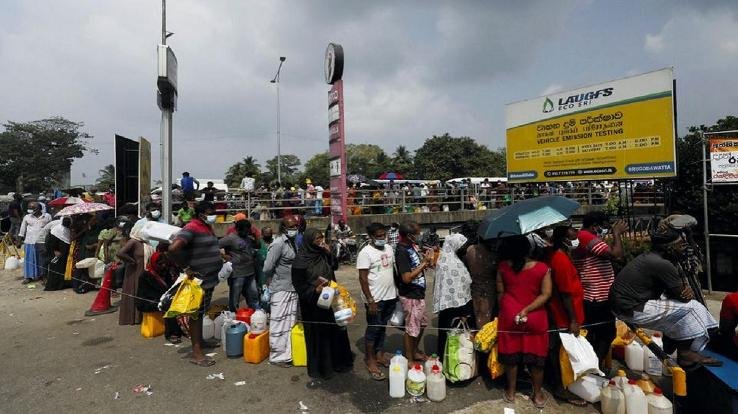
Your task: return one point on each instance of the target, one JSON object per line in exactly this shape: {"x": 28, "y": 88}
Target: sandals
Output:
{"x": 377, "y": 375}
{"x": 569, "y": 397}
{"x": 711, "y": 362}
{"x": 174, "y": 340}
{"x": 541, "y": 405}
{"x": 207, "y": 362}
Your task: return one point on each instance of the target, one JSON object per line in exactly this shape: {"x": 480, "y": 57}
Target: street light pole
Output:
{"x": 279, "y": 121}
{"x": 167, "y": 101}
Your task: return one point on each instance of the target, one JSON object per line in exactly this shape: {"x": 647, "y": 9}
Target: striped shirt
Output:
{"x": 201, "y": 252}
{"x": 592, "y": 260}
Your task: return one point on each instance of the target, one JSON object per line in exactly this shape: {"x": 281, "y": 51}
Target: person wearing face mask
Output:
{"x": 195, "y": 249}
{"x": 593, "y": 260}
{"x": 57, "y": 245}
{"x": 565, "y": 308}
{"x": 30, "y": 228}
{"x": 264, "y": 242}
{"x": 651, "y": 292}
{"x": 284, "y": 301}
{"x": 375, "y": 263}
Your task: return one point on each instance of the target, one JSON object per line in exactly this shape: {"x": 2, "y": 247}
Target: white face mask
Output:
{"x": 574, "y": 243}
{"x": 380, "y": 243}
{"x": 30, "y": 211}
{"x": 155, "y": 214}
{"x": 549, "y": 233}
{"x": 211, "y": 219}
{"x": 603, "y": 232}
{"x": 291, "y": 233}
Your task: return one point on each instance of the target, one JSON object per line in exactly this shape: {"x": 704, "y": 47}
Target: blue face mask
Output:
{"x": 380, "y": 243}
{"x": 291, "y": 233}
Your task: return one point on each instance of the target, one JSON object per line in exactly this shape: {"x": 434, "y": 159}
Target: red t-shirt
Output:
{"x": 592, "y": 261}
{"x": 565, "y": 280}
{"x": 729, "y": 311}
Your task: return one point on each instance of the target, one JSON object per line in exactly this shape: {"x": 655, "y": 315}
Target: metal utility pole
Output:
{"x": 167, "y": 101}
{"x": 279, "y": 121}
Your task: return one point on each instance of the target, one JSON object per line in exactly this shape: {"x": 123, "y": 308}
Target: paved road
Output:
{"x": 57, "y": 360}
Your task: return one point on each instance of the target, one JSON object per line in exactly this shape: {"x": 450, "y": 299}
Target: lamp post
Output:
{"x": 275, "y": 80}
{"x": 167, "y": 101}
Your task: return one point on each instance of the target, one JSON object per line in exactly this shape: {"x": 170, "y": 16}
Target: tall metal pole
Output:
{"x": 166, "y": 139}
{"x": 279, "y": 138}
{"x": 708, "y": 266}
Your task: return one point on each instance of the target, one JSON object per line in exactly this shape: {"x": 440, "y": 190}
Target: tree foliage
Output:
{"x": 248, "y": 167}
{"x": 107, "y": 177}
{"x": 36, "y": 155}
{"x": 402, "y": 161}
{"x": 317, "y": 169}
{"x": 368, "y": 160}
{"x": 444, "y": 157}
{"x": 290, "y": 168}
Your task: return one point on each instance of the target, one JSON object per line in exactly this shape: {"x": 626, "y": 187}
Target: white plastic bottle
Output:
{"x": 218, "y": 327}
{"x": 433, "y": 360}
{"x": 635, "y": 399}
{"x": 208, "y": 327}
{"x": 258, "y": 322}
{"x": 658, "y": 404}
{"x": 612, "y": 399}
{"x": 634, "y": 356}
{"x": 621, "y": 380}
{"x": 397, "y": 370}
{"x": 415, "y": 383}
{"x": 652, "y": 365}
{"x": 436, "y": 384}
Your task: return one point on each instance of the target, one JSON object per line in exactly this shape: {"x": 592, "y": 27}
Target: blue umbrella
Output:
{"x": 526, "y": 216}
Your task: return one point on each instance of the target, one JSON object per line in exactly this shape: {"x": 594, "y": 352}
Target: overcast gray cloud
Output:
{"x": 413, "y": 68}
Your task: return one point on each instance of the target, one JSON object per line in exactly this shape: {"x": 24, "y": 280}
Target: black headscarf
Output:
{"x": 313, "y": 258}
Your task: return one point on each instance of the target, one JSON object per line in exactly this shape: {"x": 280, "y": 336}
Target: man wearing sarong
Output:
{"x": 651, "y": 293}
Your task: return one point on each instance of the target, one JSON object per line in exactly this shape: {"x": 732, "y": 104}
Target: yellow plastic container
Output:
{"x": 152, "y": 325}
{"x": 299, "y": 349}
{"x": 256, "y": 347}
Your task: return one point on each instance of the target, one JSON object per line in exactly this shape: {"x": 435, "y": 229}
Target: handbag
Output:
{"x": 459, "y": 357}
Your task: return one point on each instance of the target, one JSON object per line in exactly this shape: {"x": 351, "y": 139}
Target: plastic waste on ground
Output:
{"x": 635, "y": 399}
{"x": 621, "y": 380}
{"x": 152, "y": 324}
{"x": 588, "y": 387}
{"x": 325, "y": 300}
{"x": 299, "y": 348}
{"x": 415, "y": 383}
{"x": 634, "y": 356}
{"x": 258, "y": 322}
{"x": 436, "y": 384}
{"x": 397, "y": 373}
{"x": 652, "y": 365}
{"x": 234, "y": 340}
{"x": 208, "y": 328}
{"x": 256, "y": 347}
{"x": 612, "y": 400}
{"x": 433, "y": 360}
{"x": 658, "y": 403}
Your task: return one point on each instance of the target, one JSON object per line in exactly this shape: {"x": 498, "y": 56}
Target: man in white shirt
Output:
{"x": 30, "y": 229}
{"x": 376, "y": 263}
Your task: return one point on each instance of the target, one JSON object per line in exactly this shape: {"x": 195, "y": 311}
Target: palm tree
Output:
{"x": 107, "y": 177}
{"x": 248, "y": 167}
{"x": 402, "y": 160}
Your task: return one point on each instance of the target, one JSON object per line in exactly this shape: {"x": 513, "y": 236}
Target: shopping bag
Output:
{"x": 486, "y": 337}
{"x": 581, "y": 356}
{"x": 496, "y": 369}
{"x": 225, "y": 271}
{"x": 398, "y": 316}
{"x": 459, "y": 358}
{"x": 187, "y": 300}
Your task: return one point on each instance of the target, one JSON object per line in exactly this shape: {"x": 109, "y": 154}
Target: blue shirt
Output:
{"x": 188, "y": 184}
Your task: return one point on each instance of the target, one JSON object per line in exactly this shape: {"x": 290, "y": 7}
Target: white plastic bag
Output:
{"x": 581, "y": 355}
{"x": 459, "y": 357}
{"x": 12, "y": 263}
{"x": 398, "y": 316}
{"x": 95, "y": 267}
{"x": 225, "y": 271}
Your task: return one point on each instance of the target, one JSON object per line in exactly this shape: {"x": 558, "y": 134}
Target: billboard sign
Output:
{"x": 724, "y": 159}
{"x": 622, "y": 129}
{"x": 126, "y": 171}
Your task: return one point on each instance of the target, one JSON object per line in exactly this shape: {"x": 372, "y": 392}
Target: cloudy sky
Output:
{"x": 413, "y": 68}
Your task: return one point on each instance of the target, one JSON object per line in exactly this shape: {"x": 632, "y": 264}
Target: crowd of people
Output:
{"x": 555, "y": 279}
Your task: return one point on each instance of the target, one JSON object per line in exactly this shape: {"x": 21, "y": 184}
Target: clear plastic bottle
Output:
{"x": 397, "y": 374}
{"x": 635, "y": 399}
{"x": 415, "y": 383}
{"x": 612, "y": 399}
{"x": 436, "y": 384}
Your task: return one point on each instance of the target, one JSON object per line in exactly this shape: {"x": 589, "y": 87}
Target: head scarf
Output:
{"x": 137, "y": 234}
{"x": 312, "y": 257}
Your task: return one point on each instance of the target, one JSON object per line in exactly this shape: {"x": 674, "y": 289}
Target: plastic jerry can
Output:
{"x": 258, "y": 322}
{"x": 244, "y": 314}
{"x": 658, "y": 404}
{"x": 234, "y": 340}
{"x": 208, "y": 327}
{"x": 152, "y": 324}
{"x": 218, "y": 326}
{"x": 634, "y": 356}
{"x": 415, "y": 383}
{"x": 299, "y": 349}
{"x": 436, "y": 384}
{"x": 588, "y": 387}
{"x": 635, "y": 399}
{"x": 325, "y": 300}
{"x": 433, "y": 360}
{"x": 256, "y": 347}
{"x": 651, "y": 363}
{"x": 397, "y": 380}
{"x": 621, "y": 380}
{"x": 612, "y": 399}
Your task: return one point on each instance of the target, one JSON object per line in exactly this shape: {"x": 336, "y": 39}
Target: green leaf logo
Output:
{"x": 548, "y": 106}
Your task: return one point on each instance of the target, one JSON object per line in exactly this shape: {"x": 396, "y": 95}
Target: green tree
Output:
{"x": 317, "y": 169}
{"x": 368, "y": 160}
{"x": 35, "y": 155}
{"x": 402, "y": 161}
{"x": 248, "y": 167}
{"x": 686, "y": 188}
{"x": 107, "y": 177}
{"x": 290, "y": 168}
{"x": 444, "y": 157}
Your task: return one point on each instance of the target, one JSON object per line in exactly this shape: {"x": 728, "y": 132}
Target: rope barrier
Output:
{"x": 352, "y": 324}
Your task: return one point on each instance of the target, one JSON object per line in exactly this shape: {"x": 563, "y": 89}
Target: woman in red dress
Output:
{"x": 523, "y": 286}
